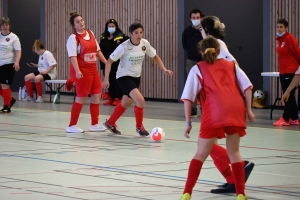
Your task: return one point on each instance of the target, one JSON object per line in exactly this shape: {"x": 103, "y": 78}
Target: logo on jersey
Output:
{"x": 143, "y": 48}
{"x": 42, "y": 58}
{"x": 90, "y": 57}
{"x": 282, "y": 44}
{"x": 7, "y": 39}
{"x": 118, "y": 41}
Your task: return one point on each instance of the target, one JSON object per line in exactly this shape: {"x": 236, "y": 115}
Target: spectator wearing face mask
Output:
{"x": 191, "y": 36}
{"x": 110, "y": 40}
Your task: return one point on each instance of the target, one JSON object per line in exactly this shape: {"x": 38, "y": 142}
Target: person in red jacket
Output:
{"x": 218, "y": 81}
{"x": 288, "y": 62}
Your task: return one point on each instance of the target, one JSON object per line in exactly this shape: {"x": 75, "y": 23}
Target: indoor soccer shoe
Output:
{"x": 293, "y": 122}
{"x": 111, "y": 128}
{"x": 186, "y": 196}
{"x": 74, "y": 129}
{"x": 12, "y": 102}
{"x": 28, "y": 98}
{"x": 241, "y": 197}
{"x": 248, "y": 169}
{"x": 225, "y": 188}
{"x": 97, "y": 127}
{"x": 40, "y": 100}
{"x": 116, "y": 102}
{"x": 142, "y": 131}
{"x": 5, "y": 109}
{"x": 281, "y": 122}
{"x": 108, "y": 103}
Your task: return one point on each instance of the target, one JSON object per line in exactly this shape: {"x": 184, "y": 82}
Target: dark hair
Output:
{"x": 211, "y": 49}
{"x": 283, "y": 21}
{"x": 213, "y": 26}
{"x": 118, "y": 30}
{"x": 135, "y": 26}
{"x": 73, "y": 15}
{"x": 196, "y": 11}
{"x": 38, "y": 44}
{"x": 5, "y": 20}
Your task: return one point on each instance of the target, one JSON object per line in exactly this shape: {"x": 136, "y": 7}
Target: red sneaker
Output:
{"x": 108, "y": 103}
{"x": 294, "y": 122}
{"x": 105, "y": 96}
{"x": 281, "y": 122}
{"x": 116, "y": 102}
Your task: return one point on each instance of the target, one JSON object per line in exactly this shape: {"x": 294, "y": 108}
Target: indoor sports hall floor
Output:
{"x": 39, "y": 160}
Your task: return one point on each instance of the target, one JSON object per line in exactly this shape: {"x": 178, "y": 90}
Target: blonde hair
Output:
{"x": 37, "y": 45}
{"x": 210, "y": 49}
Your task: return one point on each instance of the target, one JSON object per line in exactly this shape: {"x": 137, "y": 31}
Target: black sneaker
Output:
{"x": 5, "y": 109}
{"x": 111, "y": 128}
{"x": 225, "y": 188}
{"x": 194, "y": 112}
{"x": 248, "y": 169}
{"x": 12, "y": 102}
{"x": 142, "y": 131}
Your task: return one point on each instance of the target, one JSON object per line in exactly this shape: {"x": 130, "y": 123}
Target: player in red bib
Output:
{"x": 83, "y": 51}
{"x": 218, "y": 82}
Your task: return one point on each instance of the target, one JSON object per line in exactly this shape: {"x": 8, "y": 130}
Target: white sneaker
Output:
{"x": 40, "y": 100}
{"x": 74, "y": 129}
{"x": 97, "y": 127}
{"x": 29, "y": 98}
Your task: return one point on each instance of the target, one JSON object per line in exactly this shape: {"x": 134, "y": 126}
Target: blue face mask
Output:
{"x": 280, "y": 34}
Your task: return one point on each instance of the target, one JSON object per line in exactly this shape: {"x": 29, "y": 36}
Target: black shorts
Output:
{"x": 128, "y": 83}
{"x": 7, "y": 74}
{"x": 45, "y": 76}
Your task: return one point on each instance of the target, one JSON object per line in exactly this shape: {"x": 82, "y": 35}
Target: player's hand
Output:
{"x": 251, "y": 116}
{"x": 168, "y": 72}
{"x": 16, "y": 66}
{"x": 79, "y": 75}
{"x": 42, "y": 73}
{"x": 187, "y": 131}
{"x": 105, "y": 84}
{"x": 285, "y": 97}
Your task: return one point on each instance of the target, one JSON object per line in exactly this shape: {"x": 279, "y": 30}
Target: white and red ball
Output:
{"x": 157, "y": 134}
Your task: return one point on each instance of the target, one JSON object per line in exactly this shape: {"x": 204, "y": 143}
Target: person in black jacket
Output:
{"x": 110, "y": 40}
{"x": 191, "y": 36}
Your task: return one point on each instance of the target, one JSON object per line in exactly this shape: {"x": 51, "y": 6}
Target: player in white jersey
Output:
{"x": 131, "y": 54}
{"x": 10, "y": 55}
{"x": 46, "y": 70}
{"x": 212, "y": 26}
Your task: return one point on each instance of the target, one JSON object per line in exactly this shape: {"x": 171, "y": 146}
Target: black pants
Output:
{"x": 290, "y": 108}
{"x": 114, "y": 89}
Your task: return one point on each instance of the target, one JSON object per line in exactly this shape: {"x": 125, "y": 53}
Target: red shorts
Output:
{"x": 89, "y": 84}
{"x": 220, "y": 132}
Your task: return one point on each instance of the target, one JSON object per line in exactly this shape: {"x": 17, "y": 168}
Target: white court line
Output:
{"x": 275, "y": 174}
{"x": 29, "y": 145}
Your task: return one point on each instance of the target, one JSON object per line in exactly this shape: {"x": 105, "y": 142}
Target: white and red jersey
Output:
{"x": 84, "y": 47}
{"x": 224, "y": 52}
{"x": 298, "y": 71}
{"x": 131, "y": 57}
{"x": 8, "y": 45}
{"x": 47, "y": 60}
{"x": 219, "y": 85}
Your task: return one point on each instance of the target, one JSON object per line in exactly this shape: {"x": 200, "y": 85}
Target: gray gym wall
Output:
{"x": 246, "y": 37}
{"x": 25, "y": 23}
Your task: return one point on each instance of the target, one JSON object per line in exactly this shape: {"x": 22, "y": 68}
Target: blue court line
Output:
{"x": 139, "y": 172}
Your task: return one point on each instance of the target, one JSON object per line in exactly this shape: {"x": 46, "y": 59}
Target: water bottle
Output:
{"x": 20, "y": 93}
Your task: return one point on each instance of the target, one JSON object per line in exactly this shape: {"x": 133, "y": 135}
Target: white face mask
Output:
{"x": 111, "y": 29}
{"x": 196, "y": 22}
{"x": 280, "y": 34}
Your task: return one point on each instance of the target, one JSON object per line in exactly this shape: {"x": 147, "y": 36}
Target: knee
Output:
{"x": 201, "y": 156}
{"x": 140, "y": 102}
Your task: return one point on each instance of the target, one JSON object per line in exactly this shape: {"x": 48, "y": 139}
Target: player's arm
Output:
{"x": 248, "y": 98}
{"x": 161, "y": 65}
{"x": 293, "y": 84}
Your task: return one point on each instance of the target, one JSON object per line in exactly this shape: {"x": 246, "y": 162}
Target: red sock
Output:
{"x": 139, "y": 116}
{"x": 239, "y": 177}
{"x": 118, "y": 112}
{"x": 193, "y": 174}
{"x": 28, "y": 85}
{"x": 6, "y": 96}
{"x": 75, "y": 112}
{"x": 39, "y": 88}
{"x": 222, "y": 162}
{"x": 1, "y": 93}
{"x": 94, "y": 110}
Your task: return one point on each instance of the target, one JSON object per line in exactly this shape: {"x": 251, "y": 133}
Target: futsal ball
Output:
{"x": 259, "y": 94}
{"x": 157, "y": 134}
